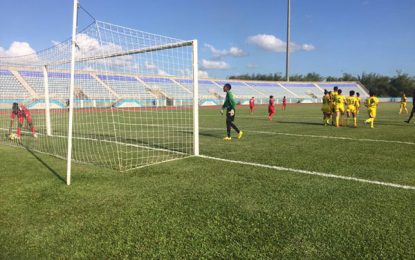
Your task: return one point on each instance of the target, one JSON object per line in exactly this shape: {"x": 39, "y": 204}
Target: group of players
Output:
{"x": 271, "y": 106}
{"x": 334, "y": 106}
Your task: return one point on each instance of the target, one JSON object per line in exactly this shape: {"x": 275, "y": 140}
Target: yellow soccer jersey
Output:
{"x": 358, "y": 102}
{"x": 333, "y": 99}
{"x": 339, "y": 100}
{"x": 404, "y": 99}
{"x": 372, "y": 102}
{"x": 351, "y": 103}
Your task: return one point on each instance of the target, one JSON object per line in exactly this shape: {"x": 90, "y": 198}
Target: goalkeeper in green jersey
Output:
{"x": 230, "y": 105}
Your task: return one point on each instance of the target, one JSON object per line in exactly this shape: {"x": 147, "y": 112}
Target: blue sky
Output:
{"x": 330, "y": 37}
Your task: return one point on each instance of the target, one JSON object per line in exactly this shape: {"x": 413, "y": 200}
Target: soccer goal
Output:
{"x": 109, "y": 96}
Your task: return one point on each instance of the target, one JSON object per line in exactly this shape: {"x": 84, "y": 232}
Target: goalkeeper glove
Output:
{"x": 232, "y": 112}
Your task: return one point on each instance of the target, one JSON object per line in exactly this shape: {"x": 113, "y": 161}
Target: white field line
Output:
{"x": 319, "y": 136}
{"x": 320, "y": 174}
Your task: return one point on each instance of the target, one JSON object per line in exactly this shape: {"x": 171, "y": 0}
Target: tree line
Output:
{"x": 384, "y": 86}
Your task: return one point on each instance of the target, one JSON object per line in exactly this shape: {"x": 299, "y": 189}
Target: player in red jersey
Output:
{"x": 251, "y": 105}
{"x": 284, "y": 103}
{"x": 271, "y": 108}
{"x": 22, "y": 113}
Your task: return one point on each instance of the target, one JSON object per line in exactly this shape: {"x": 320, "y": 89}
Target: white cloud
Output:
{"x": 308, "y": 47}
{"x": 251, "y": 66}
{"x": 19, "y": 52}
{"x": 203, "y": 74}
{"x": 17, "y": 49}
{"x": 162, "y": 73}
{"x": 271, "y": 43}
{"x": 150, "y": 66}
{"x": 211, "y": 64}
{"x": 233, "y": 51}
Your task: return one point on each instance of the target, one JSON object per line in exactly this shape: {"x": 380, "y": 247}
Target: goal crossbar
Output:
{"x": 129, "y": 52}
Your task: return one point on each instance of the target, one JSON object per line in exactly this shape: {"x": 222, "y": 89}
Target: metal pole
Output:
{"x": 47, "y": 103}
{"x": 71, "y": 92}
{"x": 195, "y": 100}
{"x": 287, "y": 60}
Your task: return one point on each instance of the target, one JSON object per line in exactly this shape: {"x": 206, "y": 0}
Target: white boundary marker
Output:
{"x": 320, "y": 136}
{"x": 320, "y": 174}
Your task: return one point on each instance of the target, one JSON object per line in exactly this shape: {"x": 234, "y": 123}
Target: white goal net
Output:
{"x": 129, "y": 109}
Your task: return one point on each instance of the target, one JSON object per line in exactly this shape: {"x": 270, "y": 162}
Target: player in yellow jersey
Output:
{"x": 359, "y": 103}
{"x": 339, "y": 102}
{"x": 326, "y": 107}
{"x": 404, "y": 99}
{"x": 333, "y": 104}
{"x": 371, "y": 104}
{"x": 351, "y": 108}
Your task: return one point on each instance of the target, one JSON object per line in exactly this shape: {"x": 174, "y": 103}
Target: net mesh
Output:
{"x": 129, "y": 108}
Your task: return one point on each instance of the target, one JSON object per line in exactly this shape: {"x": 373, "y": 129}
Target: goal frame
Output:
{"x": 195, "y": 78}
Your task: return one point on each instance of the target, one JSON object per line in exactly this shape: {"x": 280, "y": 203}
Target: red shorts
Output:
{"x": 251, "y": 107}
{"x": 271, "y": 110}
{"x": 28, "y": 118}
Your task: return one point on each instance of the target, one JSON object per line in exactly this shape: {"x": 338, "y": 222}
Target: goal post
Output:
{"x": 110, "y": 96}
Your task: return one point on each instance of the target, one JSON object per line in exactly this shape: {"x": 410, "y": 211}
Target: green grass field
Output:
{"x": 205, "y": 208}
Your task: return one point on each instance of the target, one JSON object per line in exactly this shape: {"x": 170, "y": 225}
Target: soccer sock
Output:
{"x": 355, "y": 121}
{"x": 341, "y": 120}
{"x": 337, "y": 121}
{"x": 33, "y": 130}
{"x": 372, "y": 122}
{"x": 18, "y": 132}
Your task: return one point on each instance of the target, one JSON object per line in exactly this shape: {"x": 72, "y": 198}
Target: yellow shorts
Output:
{"x": 351, "y": 109}
{"x": 340, "y": 109}
{"x": 371, "y": 112}
{"x": 403, "y": 105}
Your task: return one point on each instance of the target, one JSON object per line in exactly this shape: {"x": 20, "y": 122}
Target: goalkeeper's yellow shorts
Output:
{"x": 371, "y": 112}
{"x": 403, "y": 105}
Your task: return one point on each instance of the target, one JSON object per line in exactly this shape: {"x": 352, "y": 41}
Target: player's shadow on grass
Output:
{"x": 299, "y": 123}
{"x": 207, "y": 134}
{"x": 46, "y": 165}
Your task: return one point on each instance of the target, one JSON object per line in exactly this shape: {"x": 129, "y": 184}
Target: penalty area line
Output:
{"x": 318, "y": 136}
{"x": 320, "y": 174}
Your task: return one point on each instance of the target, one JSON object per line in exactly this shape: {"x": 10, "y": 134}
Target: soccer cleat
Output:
{"x": 35, "y": 135}
{"x": 227, "y": 138}
{"x": 240, "y": 134}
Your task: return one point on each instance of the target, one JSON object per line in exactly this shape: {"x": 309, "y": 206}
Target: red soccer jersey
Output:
{"x": 21, "y": 112}
{"x": 251, "y": 102}
{"x": 271, "y": 103}
{"x": 284, "y": 101}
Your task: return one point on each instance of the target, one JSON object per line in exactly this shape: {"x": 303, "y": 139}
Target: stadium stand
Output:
{"x": 345, "y": 87}
{"x": 304, "y": 90}
{"x": 10, "y": 87}
{"x": 270, "y": 88}
{"x": 168, "y": 87}
{"x": 207, "y": 88}
{"x": 241, "y": 89}
{"x": 126, "y": 86}
{"x": 115, "y": 87}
